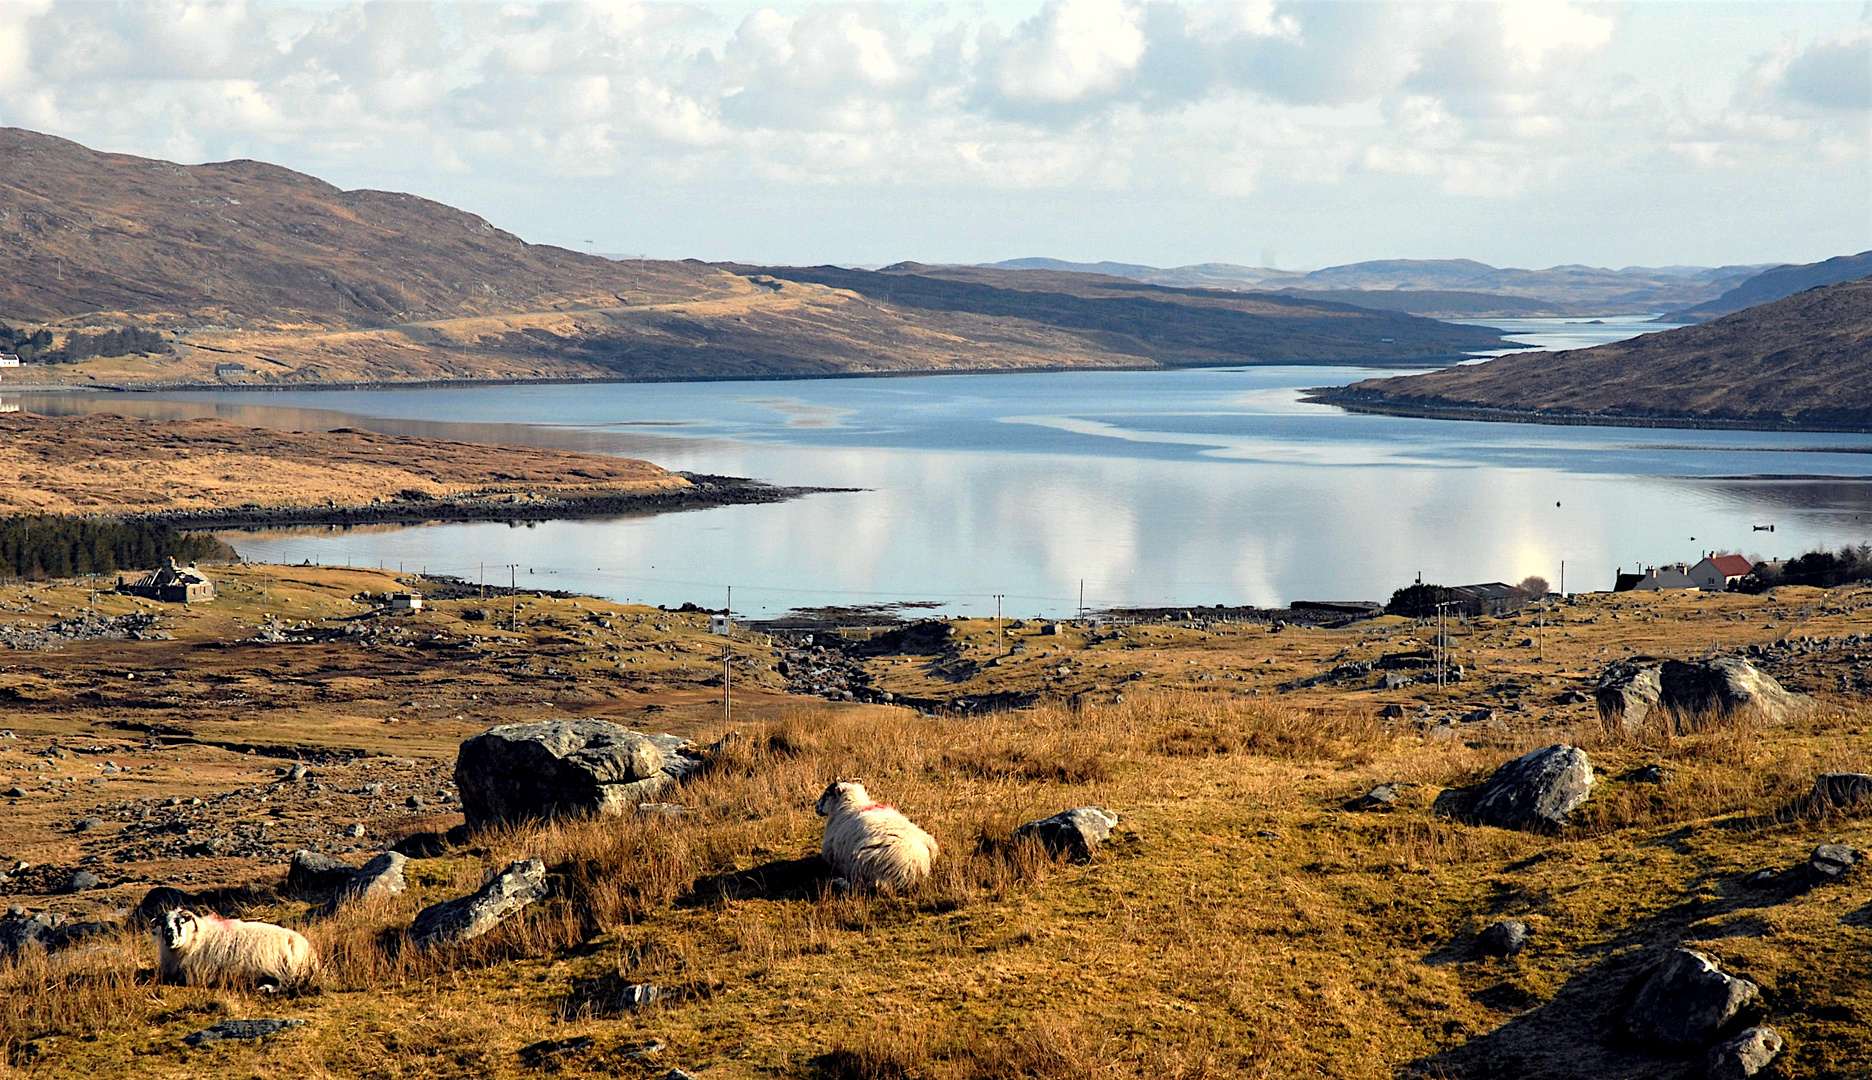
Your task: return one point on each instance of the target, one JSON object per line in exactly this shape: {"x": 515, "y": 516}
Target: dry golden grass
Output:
{"x": 1192, "y": 946}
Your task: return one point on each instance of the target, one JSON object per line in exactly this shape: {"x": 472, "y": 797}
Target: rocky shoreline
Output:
{"x": 704, "y": 491}
{"x": 1367, "y": 402}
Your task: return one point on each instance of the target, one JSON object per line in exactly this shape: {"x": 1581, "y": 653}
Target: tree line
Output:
{"x": 40, "y": 546}
{"x": 35, "y": 346}
{"x": 1825, "y": 569}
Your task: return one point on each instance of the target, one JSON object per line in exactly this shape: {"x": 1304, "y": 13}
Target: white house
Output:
{"x": 1717, "y": 572}
{"x": 1656, "y": 578}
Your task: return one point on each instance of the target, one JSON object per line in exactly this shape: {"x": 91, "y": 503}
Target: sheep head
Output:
{"x": 177, "y": 928}
{"x": 841, "y": 793}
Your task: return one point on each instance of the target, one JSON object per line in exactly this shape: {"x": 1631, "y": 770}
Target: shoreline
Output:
{"x": 1502, "y": 415}
{"x": 581, "y": 380}
{"x": 706, "y": 492}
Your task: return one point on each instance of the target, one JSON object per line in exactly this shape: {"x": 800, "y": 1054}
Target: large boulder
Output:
{"x": 311, "y": 875}
{"x": 21, "y": 934}
{"x": 1536, "y": 790}
{"x": 1685, "y": 1002}
{"x": 1637, "y": 694}
{"x": 380, "y": 878}
{"x": 465, "y": 918}
{"x": 1744, "y": 1055}
{"x": 558, "y": 768}
{"x": 1074, "y": 833}
{"x": 1628, "y": 694}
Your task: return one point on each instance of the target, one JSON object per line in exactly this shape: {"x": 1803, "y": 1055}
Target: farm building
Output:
{"x": 171, "y": 584}
{"x": 1717, "y": 572}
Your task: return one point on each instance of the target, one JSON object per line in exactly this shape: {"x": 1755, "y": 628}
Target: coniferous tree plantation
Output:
{"x": 40, "y": 546}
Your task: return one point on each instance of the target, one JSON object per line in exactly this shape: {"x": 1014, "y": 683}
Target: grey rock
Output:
{"x": 667, "y": 810}
{"x": 297, "y": 773}
{"x": 1831, "y": 862}
{"x": 1841, "y": 790}
{"x": 312, "y": 876}
{"x": 16, "y": 792}
{"x": 1745, "y": 1054}
{"x": 422, "y": 845}
{"x": 1478, "y": 716}
{"x": 379, "y": 878}
{"x": 229, "y": 1030}
{"x": 1381, "y": 797}
{"x": 468, "y": 917}
{"x": 90, "y": 823}
{"x": 20, "y": 933}
{"x": 1506, "y": 938}
{"x": 649, "y": 1049}
{"x": 1536, "y": 790}
{"x": 526, "y": 772}
{"x": 1075, "y": 833}
{"x": 414, "y": 802}
{"x": 1392, "y": 711}
{"x": 676, "y": 1074}
{"x": 1685, "y": 1001}
{"x": 1628, "y": 694}
{"x": 1395, "y": 680}
{"x": 355, "y": 830}
{"x": 1647, "y": 774}
{"x": 1636, "y": 695}
{"x": 82, "y": 880}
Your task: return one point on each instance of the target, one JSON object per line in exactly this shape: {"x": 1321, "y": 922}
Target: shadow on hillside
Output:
{"x": 782, "y": 879}
{"x": 1572, "y": 1036}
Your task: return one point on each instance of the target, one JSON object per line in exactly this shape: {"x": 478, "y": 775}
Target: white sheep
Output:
{"x": 200, "y": 949}
{"x": 871, "y": 844}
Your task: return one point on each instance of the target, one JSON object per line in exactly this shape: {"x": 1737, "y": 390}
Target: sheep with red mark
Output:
{"x": 207, "y": 949}
{"x": 872, "y": 845}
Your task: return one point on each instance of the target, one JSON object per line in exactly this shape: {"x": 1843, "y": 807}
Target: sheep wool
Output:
{"x": 206, "y": 949}
{"x": 871, "y": 844}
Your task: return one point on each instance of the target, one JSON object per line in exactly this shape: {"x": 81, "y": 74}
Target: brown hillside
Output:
{"x": 1805, "y": 361}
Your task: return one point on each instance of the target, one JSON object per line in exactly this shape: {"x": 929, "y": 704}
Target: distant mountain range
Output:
{"x": 1461, "y": 288}
{"x": 1803, "y": 361}
{"x": 1773, "y": 284}
{"x": 264, "y": 275}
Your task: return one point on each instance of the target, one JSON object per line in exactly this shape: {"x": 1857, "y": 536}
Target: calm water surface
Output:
{"x": 1181, "y": 487}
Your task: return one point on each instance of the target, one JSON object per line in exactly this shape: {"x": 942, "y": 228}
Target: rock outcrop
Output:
{"x": 1685, "y": 1002}
{"x": 1074, "y": 834}
{"x": 465, "y": 918}
{"x": 1745, "y": 1054}
{"x": 1636, "y": 695}
{"x": 559, "y": 768}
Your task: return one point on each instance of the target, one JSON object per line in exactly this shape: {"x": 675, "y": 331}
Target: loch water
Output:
{"x": 1189, "y": 487}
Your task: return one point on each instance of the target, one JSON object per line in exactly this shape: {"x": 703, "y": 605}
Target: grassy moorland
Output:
{"x": 1241, "y": 922}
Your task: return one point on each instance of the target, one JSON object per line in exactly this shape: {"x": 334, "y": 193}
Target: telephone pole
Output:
{"x": 999, "y": 647}
{"x": 513, "y": 577}
{"x": 727, "y": 695}
{"x": 1081, "y": 616}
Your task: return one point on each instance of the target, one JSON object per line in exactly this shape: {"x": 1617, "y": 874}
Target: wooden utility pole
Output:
{"x": 999, "y": 647}
{"x": 727, "y": 695}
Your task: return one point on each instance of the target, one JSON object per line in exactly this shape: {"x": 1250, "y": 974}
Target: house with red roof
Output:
{"x": 1717, "y": 572}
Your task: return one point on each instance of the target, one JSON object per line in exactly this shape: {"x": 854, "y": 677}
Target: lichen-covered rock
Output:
{"x": 1744, "y": 1055}
{"x": 379, "y": 878}
{"x": 1831, "y": 862}
{"x": 1685, "y": 1002}
{"x": 1634, "y": 695}
{"x": 469, "y": 917}
{"x": 1075, "y": 833}
{"x": 1627, "y": 694}
{"x": 1536, "y": 790}
{"x": 557, "y": 768}
{"x": 26, "y": 933}
{"x": 313, "y": 876}
{"x": 235, "y": 1030}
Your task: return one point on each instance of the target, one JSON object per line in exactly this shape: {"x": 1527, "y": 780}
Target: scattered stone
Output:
{"x": 1267, "y": 834}
{"x": 1831, "y": 862}
{"x": 16, "y": 792}
{"x": 89, "y": 824}
{"x": 1685, "y": 1001}
{"x": 1744, "y": 1055}
{"x": 1382, "y": 797}
{"x": 1647, "y": 774}
{"x": 1506, "y": 938}
{"x": 1841, "y": 790}
{"x": 82, "y": 880}
{"x": 414, "y": 802}
{"x": 541, "y": 1052}
{"x": 1536, "y": 790}
{"x": 355, "y": 831}
{"x": 312, "y": 876}
{"x": 297, "y": 773}
{"x": 668, "y": 810}
{"x": 1395, "y": 680}
{"x": 20, "y": 933}
{"x": 1478, "y": 716}
{"x": 230, "y": 1030}
{"x": 381, "y": 877}
{"x": 525, "y": 772}
{"x": 640, "y": 995}
{"x": 650, "y": 1049}
{"x": 1762, "y": 878}
{"x": 676, "y": 1074}
{"x": 1571, "y": 696}
{"x": 1075, "y": 833}
{"x": 1392, "y": 711}
{"x": 468, "y": 917}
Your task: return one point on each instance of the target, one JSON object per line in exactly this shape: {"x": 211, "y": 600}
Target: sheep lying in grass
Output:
{"x": 201, "y": 949}
{"x": 870, "y": 844}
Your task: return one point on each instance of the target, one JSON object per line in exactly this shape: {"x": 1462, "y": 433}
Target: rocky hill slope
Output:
{"x": 1801, "y": 362}
{"x": 298, "y": 282}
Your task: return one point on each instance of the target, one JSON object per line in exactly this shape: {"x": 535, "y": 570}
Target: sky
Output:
{"x": 1297, "y": 135}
